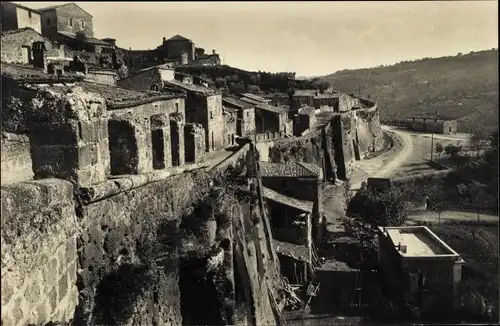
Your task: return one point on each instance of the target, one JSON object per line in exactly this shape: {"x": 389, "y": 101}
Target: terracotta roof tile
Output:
{"x": 236, "y": 102}
{"x": 28, "y": 74}
{"x": 192, "y": 87}
{"x": 303, "y": 205}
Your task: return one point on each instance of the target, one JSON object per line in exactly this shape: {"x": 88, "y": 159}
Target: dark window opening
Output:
{"x": 158, "y": 147}
{"x": 82, "y": 23}
{"x": 177, "y": 107}
{"x": 70, "y": 22}
{"x": 154, "y": 88}
{"x": 29, "y": 14}
{"x": 48, "y": 21}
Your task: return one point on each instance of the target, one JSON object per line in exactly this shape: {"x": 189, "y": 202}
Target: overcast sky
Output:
{"x": 310, "y": 38}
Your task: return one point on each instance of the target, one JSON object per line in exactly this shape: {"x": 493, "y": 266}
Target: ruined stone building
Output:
{"x": 178, "y": 48}
{"x": 269, "y": 118}
{"x": 204, "y": 106}
{"x": 152, "y": 78}
{"x": 293, "y": 194}
{"x": 15, "y": 16}
{"x": 103, "y": 177}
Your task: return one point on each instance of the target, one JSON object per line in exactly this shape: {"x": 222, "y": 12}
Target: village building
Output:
{"x": 15, "y": 16}
{"x": 179, "y": 48}
{"x": 245, "y": 122}
{"x": 17, "y": 45}
{"x": 230, "y": 125}
{"x": 434, "y": 123}
{"x": 297, "y": 180}
{"x": 304, "y": 120}
{"x": 293, "y": 194}
{"x": 205, "y": 59}
{"x": 419, "y": 267}
{"x": 204, "y": 106}
{"x": 269, "y": 118}
{"x": 72, "y": 26}
{"x": 152, "y": 78}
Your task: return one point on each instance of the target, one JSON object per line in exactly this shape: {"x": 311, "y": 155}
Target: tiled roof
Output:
{"x": 19, "y": 30}
{"x": 291, "y": 250}
{"x": 307, "y": 110}
{"x": 28, "y": 74}
{"x": 192, "y": 87}
{"x": 236, "y": 102}
{"x": 272, "y": 108}
{"x": 432, "y": 116}
{"x": 254, "y": 97}
{"x": 88, "y": 39}
{"x": 62, "y": 5}
{"x": 289, "y": 170}
{"x": 305, "y": 92}
{"x": 229, "y": 109}
{"x": 303, "y": 205}
{"x": 327, "y": 96}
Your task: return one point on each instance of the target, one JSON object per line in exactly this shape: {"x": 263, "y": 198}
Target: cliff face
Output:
{"x": 136, "y": 256}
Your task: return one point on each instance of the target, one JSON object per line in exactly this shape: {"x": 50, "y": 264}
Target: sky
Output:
{"x": 307, "y": 37}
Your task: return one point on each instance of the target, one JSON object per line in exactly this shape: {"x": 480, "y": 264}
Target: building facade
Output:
{"x": 15, "y": 16}
{"x": 245, "y": 124}
{"x": 432, "y": 123}
{"x": 419, "y": 267}
{"x": 17, "y": 45}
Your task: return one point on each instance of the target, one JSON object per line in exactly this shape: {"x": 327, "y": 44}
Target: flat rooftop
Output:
{"x": 418, "y": 241}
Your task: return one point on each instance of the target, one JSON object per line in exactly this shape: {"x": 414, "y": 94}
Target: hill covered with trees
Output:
{"x": 461, "y": 86}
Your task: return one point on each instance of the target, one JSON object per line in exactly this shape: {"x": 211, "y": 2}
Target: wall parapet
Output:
{"x": 118, "y": 184}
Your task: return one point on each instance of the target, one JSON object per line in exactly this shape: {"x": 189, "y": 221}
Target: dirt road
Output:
{"x": 400, "y": 158}
{"x": 451, "y": 216}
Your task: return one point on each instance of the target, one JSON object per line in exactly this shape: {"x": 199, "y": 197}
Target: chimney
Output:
{"x": 213, "y": 52}
{"x": 164, "y": 39}
{"x": 399, "y": 246}
{"x": 39, "y": 55}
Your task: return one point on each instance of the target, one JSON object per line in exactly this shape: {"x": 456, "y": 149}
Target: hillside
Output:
{"x": 462, "y": 86}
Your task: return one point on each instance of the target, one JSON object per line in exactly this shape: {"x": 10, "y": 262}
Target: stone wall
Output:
{"x": 141, "y": 81}
{"x": 356, "y": 133}
{"x": 194, "y": 143}
{"x": 13, "y": 43}
{"x": 215, "y": 122}
{"x": 16, "y": 159}
{"x": 69, "y": 135}
{"x": 102, "y": 77}
{"x": 90, "y": 259}
{"x": 316, "y": 148}
{"x": 39, "y": 261}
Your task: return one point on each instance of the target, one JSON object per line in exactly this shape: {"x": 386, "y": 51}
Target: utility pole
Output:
{"x": 432, "y": 145}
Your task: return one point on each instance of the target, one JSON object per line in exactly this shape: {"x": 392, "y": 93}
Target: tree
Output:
{"x": 371, "y": 208}
{"x": 81, "y": 37}
{"x": 437, "y": 197}
{"x": 439, "y": 149}
{"x": 453, "y": 150}
{"x": 122, "y": 71}
{"x": 253, "y": 89}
